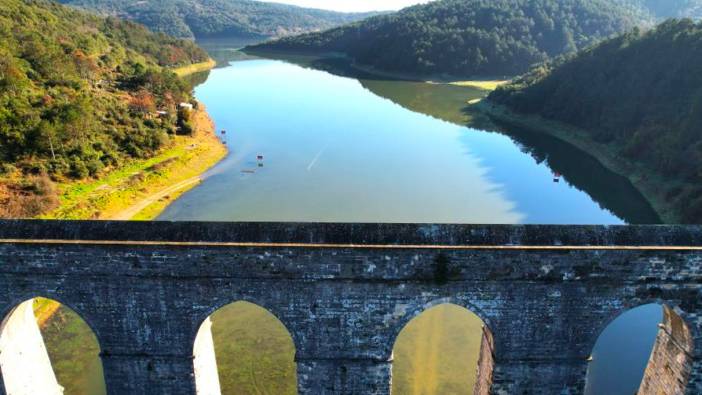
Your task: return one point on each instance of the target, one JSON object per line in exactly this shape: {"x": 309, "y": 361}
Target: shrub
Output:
{"x": 94, "y": 166}
{"x": 36, "y": 196}
{"x": 79, "y": 169}
{"x": 59, "y": 166}
{"x": 7, "y": 168}
{"x": 186, "y": 128}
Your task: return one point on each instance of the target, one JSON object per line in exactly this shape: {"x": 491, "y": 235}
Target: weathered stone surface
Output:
{"x": 344, "y": 291}
{"x": 671, "y": 358}
{"x": 486, "y": 363}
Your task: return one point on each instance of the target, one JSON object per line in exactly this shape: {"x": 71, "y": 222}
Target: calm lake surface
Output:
{"x": 334, "y": 151}
{"x": 343, "y": 148}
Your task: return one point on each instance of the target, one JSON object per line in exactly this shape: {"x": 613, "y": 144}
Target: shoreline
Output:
{"x": 142, "y": 189}
{"x": 486, "y": 83}
{"x": 653, "y": 187}
{"x": 185, "y": 71}
{"x": 149, "y": 207}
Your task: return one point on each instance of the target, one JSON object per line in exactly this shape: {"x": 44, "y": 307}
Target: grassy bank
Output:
{"x": 72, "y": 348}
{"x": 655, "y": 188}
{"x": 255, "y": 353}
{"x": 486, "y": 85}
{"x": 140, "y": 190}
{"x": 115, "y": 195}
{"x": 437, "y": 353}
{"x": 195, "y": 68}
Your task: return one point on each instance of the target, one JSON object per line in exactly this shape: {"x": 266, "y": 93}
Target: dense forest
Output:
{"x": 472, "y": 37}
{"x": 78, "y": 94}
{"x": 208, "y": 18}
{"x": 640, "y": 92}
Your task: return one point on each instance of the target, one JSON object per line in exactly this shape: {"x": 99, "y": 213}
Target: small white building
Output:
{"x": 186, "y": 105}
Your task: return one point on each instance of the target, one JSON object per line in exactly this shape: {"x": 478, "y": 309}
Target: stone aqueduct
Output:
{"x": 344, "y": 291}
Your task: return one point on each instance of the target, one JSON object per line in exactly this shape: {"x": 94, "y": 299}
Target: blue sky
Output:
{"x": 353, "y": 5}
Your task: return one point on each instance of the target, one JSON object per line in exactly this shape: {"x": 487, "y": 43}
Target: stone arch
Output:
{"x": 613, "y": 313}
{"x": 26, "y": 364}
{"x": 668, "y": 361}
{"x": 247, "y": 323}
{"x": 86, "y": 315}
{"x": 276, "y": 310}
{"x": 473, "y": 350}
{"x": 405, "y": 313}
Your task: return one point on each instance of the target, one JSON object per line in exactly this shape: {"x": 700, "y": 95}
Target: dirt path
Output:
{"x": 137, "y": 207}
{"x": 204, "y": 137}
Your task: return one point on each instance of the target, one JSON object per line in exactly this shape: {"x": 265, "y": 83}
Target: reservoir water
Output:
{"x": 335, "y": 151}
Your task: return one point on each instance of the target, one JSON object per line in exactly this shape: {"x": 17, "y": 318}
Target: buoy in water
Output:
{"x": 259, "y": 157}
{"x": 224, "y": 131}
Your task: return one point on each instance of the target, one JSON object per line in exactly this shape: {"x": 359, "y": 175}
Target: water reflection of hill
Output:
{"x": 450, "y": 103}
{"x": 447, "y": 102}
{"x": 225, "y": 50}
{"x": 610, "y": 190}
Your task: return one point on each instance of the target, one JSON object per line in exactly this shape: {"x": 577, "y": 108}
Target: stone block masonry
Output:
{"x": 345, "y": 291}
{"x": 486, "y": 361}
{"x": 671, "y": 360}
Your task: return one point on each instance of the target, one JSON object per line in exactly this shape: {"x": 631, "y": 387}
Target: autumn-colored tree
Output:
{"x": 87, "y": 68}
{"x": 12, "y": 78}
{"x": 55, "y": 119}
{"x": 142, "y": 102}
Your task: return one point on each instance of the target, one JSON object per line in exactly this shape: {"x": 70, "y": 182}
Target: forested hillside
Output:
{"x": 78, "y": 95}
{"x": 207, "y": 18}
{"x": 471, "y": 37}
{"x": 641, "y": 93}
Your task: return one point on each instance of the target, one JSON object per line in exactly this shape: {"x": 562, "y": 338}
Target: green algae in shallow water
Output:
{"x": 74, "y": 353}
{"x": 255, "y": 353}
{"x": 437, "y": 353}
